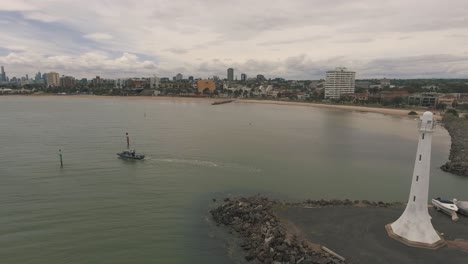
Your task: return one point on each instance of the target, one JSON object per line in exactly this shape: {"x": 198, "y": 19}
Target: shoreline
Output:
{"x": 457, "y": 128}
{"x": 362, "y": 109}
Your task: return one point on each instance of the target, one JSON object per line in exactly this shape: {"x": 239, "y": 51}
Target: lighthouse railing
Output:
{"x": 429, "y": 125}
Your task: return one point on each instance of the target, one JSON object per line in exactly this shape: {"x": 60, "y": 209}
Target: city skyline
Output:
{"x": 300, "y": 40}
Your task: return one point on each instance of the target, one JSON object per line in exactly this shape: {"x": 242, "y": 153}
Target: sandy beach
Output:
{"x": 385, "y": 111}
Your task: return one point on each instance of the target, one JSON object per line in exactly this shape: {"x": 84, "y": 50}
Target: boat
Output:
{"x": 446, "y": 206}
{"x": 130, "y": 154}
{"x": 462, "y": 206}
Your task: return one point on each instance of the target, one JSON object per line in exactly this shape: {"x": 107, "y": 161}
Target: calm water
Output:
{"x": 99, "y": 209}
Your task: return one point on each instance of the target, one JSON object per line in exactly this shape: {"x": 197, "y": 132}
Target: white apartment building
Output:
{"x": 338, "y": 82}
{"x": 120, "y": 83}
{"x": 154, "y": 82}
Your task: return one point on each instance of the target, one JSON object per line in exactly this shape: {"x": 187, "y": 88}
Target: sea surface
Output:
{"x": 101, "y": 209}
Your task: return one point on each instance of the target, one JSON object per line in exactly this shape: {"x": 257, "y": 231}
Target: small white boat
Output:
{"x": 130, "y": 154}
{"x": 462, "y": 206}
{"x": 447, "y": 207}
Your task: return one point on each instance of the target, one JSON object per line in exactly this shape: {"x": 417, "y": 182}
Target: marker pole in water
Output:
{"x": 61, "y": 159}
{"x": 128, "y": 141}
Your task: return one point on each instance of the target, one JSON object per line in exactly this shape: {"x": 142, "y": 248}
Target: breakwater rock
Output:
{"x": 222, "y": 102}
{"x": 458, "y": 159}
{"x": 265, "y": 238}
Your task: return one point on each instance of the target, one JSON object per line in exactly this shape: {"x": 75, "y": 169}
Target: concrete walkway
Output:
{"x": 359, "y": 234}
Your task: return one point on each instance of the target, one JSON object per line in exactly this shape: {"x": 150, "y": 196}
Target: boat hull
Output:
{"x": 136, "y": 157}
{"x": 462, "y": 208}
{"x": 449, "y": 209}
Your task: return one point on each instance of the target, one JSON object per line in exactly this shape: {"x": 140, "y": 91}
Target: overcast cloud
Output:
{"x": 297, "y": 39}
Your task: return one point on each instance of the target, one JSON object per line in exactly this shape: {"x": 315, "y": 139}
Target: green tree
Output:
{"x": 397, "y": 101}
{"x": 441, "y": 106}
{"x": 452, "y": 112}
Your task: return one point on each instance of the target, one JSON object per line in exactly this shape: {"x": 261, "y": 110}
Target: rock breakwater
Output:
{"x": 458, "y": 159}
{"x": 265, "y": 238}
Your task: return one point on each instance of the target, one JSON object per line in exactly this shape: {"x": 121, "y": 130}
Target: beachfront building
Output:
{"x": 424, "y": 99}
{"x": 265, "y": 89}
{"x": 206, "y": 86}
{"x": 120, "y": 83}
{"x": 154, "y": 82}
{"x": 340, "y": 81}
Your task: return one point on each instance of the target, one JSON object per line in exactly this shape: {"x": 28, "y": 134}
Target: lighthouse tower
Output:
{"x": 414, "y": 226}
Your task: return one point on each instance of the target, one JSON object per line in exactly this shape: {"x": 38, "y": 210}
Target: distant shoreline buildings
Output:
{"x": 338, "y": 86}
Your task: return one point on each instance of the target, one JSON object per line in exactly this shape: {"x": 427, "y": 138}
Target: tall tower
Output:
{"x": 243, "y": 77}
{"x": 414, "y": 227}
{"x": 3, "y": 75}
{"x": 230, "y": 74}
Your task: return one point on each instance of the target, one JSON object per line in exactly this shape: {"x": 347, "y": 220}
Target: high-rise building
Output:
{"x": 190, "y": 78}
{"x": 38, "y": 76}
{"x": 67, "y": 82}
{"x": 3, "y": 76}
{"x": 179, "y": 77}
{"x": 97, "y": 82}
{"x": 52, "y": 79}
{"x": 230, "y": 74}
{"x": 27, "y": 77}
{"x": 338, "y": 82}
{"x": 243, "y": 77}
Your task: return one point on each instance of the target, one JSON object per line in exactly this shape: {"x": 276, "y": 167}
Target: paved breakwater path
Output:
{"x": 100, "y": 209}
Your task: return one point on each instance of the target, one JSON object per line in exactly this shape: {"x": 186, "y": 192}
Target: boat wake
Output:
{"x": 201, "y": 163}
{"x": 204, "y": 163}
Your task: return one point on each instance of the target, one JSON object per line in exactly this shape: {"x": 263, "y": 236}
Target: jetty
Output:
{"x": 222, "y": 102}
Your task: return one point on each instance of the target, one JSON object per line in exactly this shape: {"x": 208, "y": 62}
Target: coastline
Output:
{"x": 133, "y": 98}
{"x": 364, "y": 109}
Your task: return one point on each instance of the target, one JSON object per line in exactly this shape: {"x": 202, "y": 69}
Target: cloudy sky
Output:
{"x": 295, "y": 39}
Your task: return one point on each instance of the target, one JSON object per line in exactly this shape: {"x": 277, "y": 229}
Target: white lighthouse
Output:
{"x": 414, "y": 226}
